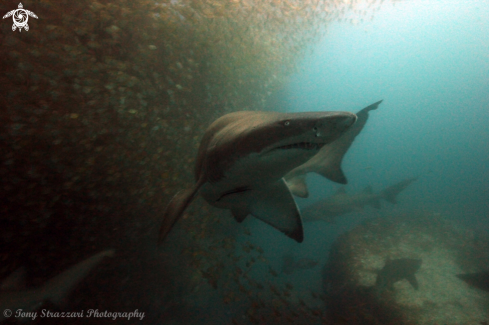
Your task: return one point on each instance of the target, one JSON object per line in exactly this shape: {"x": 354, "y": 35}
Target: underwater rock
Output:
{"x": 420, "y": 293}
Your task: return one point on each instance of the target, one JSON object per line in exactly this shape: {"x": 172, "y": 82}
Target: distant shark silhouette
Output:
{"x": 397, "y": 270}
{"x": 14, "y": 297}
{"x": 290, "y": 264}
{"x": 478, "y": 280}
{"x": 328, "y": 161}
{"x": 243, "y": 158}
{"x": 342, "y": 203}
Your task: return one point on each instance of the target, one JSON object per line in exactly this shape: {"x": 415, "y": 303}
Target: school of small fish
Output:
{"x": 104, "y": 106}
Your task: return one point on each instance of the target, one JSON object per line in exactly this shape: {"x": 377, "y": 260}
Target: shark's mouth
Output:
{"x": 302, "y": 145}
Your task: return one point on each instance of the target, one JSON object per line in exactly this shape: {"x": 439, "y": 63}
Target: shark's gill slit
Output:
{"x": 301, "y": 145}
{"x": 234, "y": 191}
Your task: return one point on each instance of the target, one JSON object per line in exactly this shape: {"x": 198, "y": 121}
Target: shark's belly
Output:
{"x": 239, "y": 182}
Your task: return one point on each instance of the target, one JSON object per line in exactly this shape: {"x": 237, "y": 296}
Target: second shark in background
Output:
{"x": 14, "y": 297}
{"x": 342, "y": 203}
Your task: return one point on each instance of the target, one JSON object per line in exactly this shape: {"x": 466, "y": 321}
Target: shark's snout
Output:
{"x": 348, "y": 120}
{"x": 334, "y": 125}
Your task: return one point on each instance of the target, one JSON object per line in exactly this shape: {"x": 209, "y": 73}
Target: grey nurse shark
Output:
{"x": 243, "y": 157}
{"x": 397, "y": 270}
{"x": 342, "y": 203}
{"x": 14, "y": 297}
{"x": 328, "y": 161}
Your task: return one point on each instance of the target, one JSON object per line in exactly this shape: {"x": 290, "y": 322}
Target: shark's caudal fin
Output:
{"x": 331, "y": 166}
{"x": 275, "y": 205}
{"x": 175, "y": 209}
{"x": 390, "y": 193}
{"x": 58, "y": 288}
{"x": 369, "y": 108}
{"x": 333, "y": 172}
{"x": 327, "y": 162}
{"x": 298, "y": 186}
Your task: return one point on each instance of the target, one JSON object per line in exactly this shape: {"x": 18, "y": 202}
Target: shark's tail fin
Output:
{"x": 58, "y": 288}
{"x": 390, "y": 193}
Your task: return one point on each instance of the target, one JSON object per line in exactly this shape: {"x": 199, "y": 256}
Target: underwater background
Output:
{"x": 102, "y": 109}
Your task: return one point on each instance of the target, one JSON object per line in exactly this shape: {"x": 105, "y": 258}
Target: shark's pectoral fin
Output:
{"x": 298, "y": 186}
{"x": 240, "y": 215}
{"x": 175, "y": 209}
{"x": 414, "y": 282}
{"x": 275, "y": 205}
{"x": 333, "y": 172}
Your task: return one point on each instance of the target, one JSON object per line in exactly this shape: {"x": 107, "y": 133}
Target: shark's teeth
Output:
{"x": 302, "y": 145}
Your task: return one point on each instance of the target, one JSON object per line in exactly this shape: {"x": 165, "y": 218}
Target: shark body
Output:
{"x": 478, "y": 280}
{"x": 243, "y": 157}
{"x": 55, "y": 290}
{"x": 328, "y": 160}
{"x": 343, "y": 203}
{"x": 397, "y": 270}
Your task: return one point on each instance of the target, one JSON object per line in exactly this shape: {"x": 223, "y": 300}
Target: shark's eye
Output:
{"x": 287, "y": 123}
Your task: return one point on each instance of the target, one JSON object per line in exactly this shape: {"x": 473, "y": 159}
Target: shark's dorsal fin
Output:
{"x": 15, "y": 281}
{"x": 175, "y": 208}
{"x": 340, "y": 191}
{"x": 298, "y": 186}
{"x": 275, "y": 205}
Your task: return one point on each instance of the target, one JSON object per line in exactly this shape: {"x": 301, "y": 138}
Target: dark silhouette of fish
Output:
{"x": 478, "y": 280}
{"x": 397, "y": 270}
{"x": 290, "y": 264}
{"x": 328, "y": 160}
{"x": 243, "y": 157}
{"x": 343, "y": 203}
{"x": 14, "y": 297}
